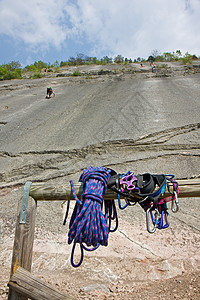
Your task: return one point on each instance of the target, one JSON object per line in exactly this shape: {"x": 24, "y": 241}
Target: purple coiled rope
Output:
{"x": 88, "y": 224}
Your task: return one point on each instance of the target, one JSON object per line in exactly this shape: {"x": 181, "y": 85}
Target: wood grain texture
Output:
{"x": 25, "y": 283}
{"x": 187, "y": 188}
{"x": 23, "y": 243}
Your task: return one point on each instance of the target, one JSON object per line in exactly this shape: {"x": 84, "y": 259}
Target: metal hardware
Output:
{"x": 23, "y": 212}
{"x": 156, "y": 220}
{"x": 175, "y": 203}
{"x": 149, "y": 217}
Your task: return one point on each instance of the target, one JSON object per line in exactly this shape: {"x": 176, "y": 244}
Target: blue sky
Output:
{"x": 51, "y": 30}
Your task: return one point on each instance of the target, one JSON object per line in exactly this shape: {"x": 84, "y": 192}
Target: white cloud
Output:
{"x": 131, "y": 28}
{"x": 36, "y": 22}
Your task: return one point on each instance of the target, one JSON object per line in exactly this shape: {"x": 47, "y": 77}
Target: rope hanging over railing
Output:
{"x": 88, "y": 224}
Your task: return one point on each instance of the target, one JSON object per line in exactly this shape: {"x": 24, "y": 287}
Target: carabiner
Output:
{"x": 164, "y": 215}
{"x": 175, "y": 203}
{"x": 148, "y": 211}
{"x": 119, "y": 202}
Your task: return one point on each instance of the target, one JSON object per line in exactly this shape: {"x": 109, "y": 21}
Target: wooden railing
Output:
{"x": 43, "y": 192}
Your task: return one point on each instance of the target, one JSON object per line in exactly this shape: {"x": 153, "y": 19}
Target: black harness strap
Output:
{"x": 149, "y": 188}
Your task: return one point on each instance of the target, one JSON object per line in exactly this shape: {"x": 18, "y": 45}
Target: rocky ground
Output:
{"x": 123, "y": 117}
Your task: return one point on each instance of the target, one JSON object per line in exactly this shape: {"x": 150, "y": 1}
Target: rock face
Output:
{"x": 169, "y": 69}
{"x": 123, "y": 117}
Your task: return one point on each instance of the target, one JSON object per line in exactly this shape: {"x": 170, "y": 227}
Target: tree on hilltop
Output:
{"x": 119, "y": 59}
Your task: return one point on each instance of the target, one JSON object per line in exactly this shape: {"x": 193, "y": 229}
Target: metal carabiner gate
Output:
{"x": 175, "y": 203}
{"x": 154, "y": 220}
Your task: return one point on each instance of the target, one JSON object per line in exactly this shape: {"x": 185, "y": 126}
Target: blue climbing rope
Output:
{"x": 88, "y": 224}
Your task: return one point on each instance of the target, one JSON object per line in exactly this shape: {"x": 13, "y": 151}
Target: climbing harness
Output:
{"x": 148, "y": 191}
{"x": 91, "y": 219}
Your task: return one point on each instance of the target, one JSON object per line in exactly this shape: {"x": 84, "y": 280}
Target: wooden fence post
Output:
{"x": 23, "y": 243}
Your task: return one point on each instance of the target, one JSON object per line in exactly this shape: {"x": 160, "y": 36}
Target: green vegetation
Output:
{"x": 14, "y": 70}
{"x": 76, "y": 73}
{"x": 36, "y": 75}
{"x": 164, "y": 66}
{"x": 174, "y": 56}
{"x": 119, "y": 59}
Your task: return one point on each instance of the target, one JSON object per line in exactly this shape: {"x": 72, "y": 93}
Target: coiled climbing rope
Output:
{"x": 88, "y": 223}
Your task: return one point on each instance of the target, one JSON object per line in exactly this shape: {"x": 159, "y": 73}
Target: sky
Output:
{"x": 51, "y": 30}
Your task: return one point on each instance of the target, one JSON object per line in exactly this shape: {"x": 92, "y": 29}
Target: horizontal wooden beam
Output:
{"x": 43, "y": 192}
{"x": 26, "y": 284}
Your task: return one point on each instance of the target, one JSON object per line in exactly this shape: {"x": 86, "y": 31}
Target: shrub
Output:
{"x": 7, "y": 73}
{"x": 76, "y": 73}
{"x": 57, "y": 69}
{"x": 8, "y": 76}
{"x": 3, "y": 72}
{"x": 40, "y": 65}
{"x": 89, "y": 63}
{"x": 164, "y": 66}
{"x": 37, "y": 75}
{"x": 63, "y": 63}
{"x": 31, "y": 68}
{"x": 119, "y": 59}
{"x": 187, "y": 59}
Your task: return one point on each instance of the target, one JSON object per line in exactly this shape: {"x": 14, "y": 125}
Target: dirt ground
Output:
{"x": 53, "y": 143}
